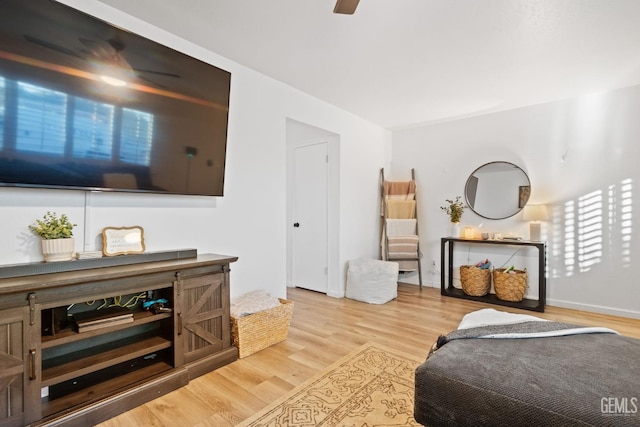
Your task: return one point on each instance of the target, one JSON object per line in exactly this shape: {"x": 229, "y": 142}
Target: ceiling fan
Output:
{"x": 346, "y": 7}
{"x": 105, "y": 54}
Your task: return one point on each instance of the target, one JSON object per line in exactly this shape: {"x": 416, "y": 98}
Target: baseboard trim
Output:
{"x": 590, "y": 308}
{"x": 424, "y": 284}
{"x": 335, "y": 294}
{"x": 594, "y": 308}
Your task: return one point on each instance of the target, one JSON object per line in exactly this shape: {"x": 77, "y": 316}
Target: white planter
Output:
{"x": 455, "y": 229}
{"x": 58, "y": 249}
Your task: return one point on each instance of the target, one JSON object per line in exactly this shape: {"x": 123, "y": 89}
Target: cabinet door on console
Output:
{"x": 19, "y": 366}
{"x": 202, "y": 325}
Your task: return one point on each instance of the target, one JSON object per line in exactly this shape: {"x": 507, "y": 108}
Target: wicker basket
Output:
{"x": 510, "y": 286}
{"x": 260, "y": 330}
{"x": 475, "y": 281}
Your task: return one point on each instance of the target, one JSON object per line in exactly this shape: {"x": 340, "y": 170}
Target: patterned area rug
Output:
{"x": 373, "y": 386}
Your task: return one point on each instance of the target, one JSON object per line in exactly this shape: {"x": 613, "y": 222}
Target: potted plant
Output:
{"x": 454, "y": 208}
{"x": 56, "y": 234}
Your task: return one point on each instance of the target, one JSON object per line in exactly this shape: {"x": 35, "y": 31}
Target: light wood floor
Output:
{"x": 324, "y": 329}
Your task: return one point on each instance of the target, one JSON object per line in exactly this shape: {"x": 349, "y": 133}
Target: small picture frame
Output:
{"x": 122, "y": 240}
{"x": 523, "y": 195}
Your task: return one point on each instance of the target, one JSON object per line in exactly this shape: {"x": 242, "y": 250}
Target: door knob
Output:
{"x": 296, "y": 224}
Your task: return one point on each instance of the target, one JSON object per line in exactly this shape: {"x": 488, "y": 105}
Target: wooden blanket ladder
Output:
{"x": 399, "y": 237}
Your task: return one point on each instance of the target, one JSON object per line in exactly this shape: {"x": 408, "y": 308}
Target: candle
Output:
{"x": 469, "y": 233}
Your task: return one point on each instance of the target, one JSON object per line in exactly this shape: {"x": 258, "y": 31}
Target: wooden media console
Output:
{"x": 50, "y": 374}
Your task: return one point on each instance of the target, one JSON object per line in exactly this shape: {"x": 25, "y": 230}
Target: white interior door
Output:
{"x": 310, "y": 213}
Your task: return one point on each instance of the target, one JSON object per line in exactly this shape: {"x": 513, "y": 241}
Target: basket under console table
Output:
{"x": 446, "y": 280}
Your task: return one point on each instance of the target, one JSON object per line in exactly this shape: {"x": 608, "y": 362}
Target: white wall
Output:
{"x": 250, "y": 220}
{"x": 593, "y": 236}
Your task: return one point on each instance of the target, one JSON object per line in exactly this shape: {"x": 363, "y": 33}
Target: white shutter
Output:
{"x": 136, "y": 136}
{"x": 92, "y": 129}
{"x": 2, "y": 104}
{"x": 41, "y": 120}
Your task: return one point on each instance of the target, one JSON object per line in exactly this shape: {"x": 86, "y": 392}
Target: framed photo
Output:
{"x": 122, "y": 240}
{"x": 523, "y": 195}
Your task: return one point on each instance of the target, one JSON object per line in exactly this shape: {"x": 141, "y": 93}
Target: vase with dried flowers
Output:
{"x": 454, "y": 208}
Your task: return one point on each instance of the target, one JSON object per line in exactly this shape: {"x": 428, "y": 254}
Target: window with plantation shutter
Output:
{"x": 41, "y": 120}
{"x": 51, "y": 123}
{"x": 136, "y": 135}
{"x": 2, "y": 101}
{"x": 92, "y": 129}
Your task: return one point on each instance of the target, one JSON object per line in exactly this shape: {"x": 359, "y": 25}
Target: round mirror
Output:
{"x": 497, "y": 190}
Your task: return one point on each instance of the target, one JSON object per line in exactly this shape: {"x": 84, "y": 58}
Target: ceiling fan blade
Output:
{"x": 152, "y": 82}
{"x": 99, "y": 49}
{"x": 53, "y": 46}
{"x": 112, "y": 50}
{"x": 107, "y": 52}
{"x": 346, "y": 7}
{"x": 160, "y": 73}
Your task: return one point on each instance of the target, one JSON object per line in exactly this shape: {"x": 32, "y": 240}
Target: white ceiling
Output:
{"x": 401, "y": 63}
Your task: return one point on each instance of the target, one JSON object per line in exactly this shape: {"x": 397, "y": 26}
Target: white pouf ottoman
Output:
{"x": 372, "y": 281}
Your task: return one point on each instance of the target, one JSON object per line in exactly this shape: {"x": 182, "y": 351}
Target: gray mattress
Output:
{"x": 589, "y": 379}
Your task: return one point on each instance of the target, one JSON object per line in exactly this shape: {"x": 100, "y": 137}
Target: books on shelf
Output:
{"x": 93, "y": 327}
{"x": 96, "y": 319}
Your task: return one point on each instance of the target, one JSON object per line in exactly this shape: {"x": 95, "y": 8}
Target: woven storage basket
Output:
{"x": 510, "y": 286}
{"x": 260, "y": 330}
{"x": 475, "y": 281}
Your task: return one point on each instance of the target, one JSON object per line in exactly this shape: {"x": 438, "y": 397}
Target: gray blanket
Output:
{"x": 521, "y": 330}
{"x": 590, "y": 379}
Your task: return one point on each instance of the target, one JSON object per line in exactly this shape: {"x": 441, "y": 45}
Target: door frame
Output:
{"x": 300, "y": 134}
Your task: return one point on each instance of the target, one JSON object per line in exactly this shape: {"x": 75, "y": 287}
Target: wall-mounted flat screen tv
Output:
{"x": 87, "y": 105}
